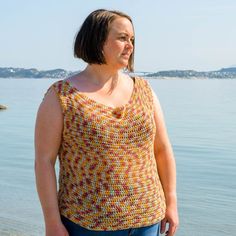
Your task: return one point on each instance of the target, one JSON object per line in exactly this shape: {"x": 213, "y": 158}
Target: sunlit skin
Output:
{"x": 105, "y": 83}
{"x": 119, "y": 44}
{"x": 97, "y": 81}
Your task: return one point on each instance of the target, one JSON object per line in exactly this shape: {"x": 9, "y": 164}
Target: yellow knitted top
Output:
{"x": 108, "y": 175}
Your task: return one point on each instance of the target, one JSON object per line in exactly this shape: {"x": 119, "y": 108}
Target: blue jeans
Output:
{"x": 76, "y": 230}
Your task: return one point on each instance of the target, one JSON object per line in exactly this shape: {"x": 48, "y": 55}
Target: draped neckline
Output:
{"x": 93, "y": 101}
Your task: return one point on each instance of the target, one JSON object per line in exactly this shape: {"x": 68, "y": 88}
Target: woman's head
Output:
{"x": 92, "y": 38}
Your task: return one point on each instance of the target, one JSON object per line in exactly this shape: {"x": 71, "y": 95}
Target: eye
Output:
{"x": 123, "y": 38}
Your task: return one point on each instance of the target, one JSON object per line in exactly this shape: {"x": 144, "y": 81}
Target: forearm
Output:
{"x": 167, "y": 172}
{"x": 47, "y": 191}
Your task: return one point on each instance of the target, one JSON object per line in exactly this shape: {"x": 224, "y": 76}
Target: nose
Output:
{"x": 129, "y": 44}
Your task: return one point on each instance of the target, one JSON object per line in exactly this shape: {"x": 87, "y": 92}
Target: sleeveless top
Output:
{"x": 108, "y": 177}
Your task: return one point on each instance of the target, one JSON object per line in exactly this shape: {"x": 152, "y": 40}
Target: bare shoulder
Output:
{"x": 50, "y": 111}
{"x": 77, "y": 80}
{"x": 48, "y": 127}
{"x": 156, "y": 103}
{"x": 129, "y": 79}
{"x": 73, "y": 77}
{"x": 51, "y": 101}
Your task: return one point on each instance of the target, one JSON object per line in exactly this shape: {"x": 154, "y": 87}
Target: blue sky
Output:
{"x": 177, "y": 34}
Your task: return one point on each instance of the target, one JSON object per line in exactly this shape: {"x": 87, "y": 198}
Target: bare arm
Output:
{"x": 166, "y": 168}
{"x": 48, "y": 131}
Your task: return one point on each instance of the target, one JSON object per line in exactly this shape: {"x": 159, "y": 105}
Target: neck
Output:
{"x": 101, "y": 74}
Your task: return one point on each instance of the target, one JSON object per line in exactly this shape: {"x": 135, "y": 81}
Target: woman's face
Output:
{"x": 119, "y": 43}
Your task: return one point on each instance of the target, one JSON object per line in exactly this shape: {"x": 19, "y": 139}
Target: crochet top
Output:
{"x": 108, "y": 176}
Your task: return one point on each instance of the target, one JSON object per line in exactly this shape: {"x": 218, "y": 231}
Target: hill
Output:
{"x": 10, "y": 72}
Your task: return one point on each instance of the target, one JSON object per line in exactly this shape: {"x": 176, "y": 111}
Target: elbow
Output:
{"x": 41, "y": 163}
{"x": 162, "y": 148}
{"x": 164, "y": 151}
{"x": 36, "y": 164}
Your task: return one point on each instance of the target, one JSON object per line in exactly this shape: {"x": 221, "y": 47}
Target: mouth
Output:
{"x": 126, "y": 55}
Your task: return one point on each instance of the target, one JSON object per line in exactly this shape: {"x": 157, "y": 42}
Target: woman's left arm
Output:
{"x": 166, "y": 169}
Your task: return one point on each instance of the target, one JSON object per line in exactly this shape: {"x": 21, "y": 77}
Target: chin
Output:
{"x": 124, "y": 63}
{"x": 120, "y": 65}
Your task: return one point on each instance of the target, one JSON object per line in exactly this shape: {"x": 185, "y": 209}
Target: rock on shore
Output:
{"x": 2, "y": 107}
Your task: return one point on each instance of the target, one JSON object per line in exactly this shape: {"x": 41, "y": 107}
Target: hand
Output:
{"x": 171, "y": 217}
{"x": 58, "y": 230}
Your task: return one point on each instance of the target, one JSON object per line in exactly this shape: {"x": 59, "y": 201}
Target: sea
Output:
{"x": 200, "y": 117}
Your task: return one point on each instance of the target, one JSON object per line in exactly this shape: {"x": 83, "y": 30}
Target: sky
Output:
{"x": 177, "y": 34}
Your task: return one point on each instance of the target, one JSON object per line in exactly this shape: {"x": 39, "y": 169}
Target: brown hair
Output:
{"x": 92, "y": 35}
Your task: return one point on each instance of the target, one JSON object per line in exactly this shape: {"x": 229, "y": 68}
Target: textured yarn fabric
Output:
{"x": 108, "y": 176}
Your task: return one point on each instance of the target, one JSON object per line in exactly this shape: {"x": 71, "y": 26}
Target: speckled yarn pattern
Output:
{"x": 108, "y": 176}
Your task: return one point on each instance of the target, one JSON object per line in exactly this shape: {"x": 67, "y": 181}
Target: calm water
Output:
{"x": 201, "y": 121}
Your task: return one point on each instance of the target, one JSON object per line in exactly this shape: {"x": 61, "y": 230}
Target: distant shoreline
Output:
{"x": 17, "y": 73}
{"x": 146, "y": 77}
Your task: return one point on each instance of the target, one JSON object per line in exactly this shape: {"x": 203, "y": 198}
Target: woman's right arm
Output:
{"x": 48, "y": 131}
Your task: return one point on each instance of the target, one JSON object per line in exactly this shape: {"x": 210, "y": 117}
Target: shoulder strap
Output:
{"x": 147, "y": 95}
{"x": 59, "y": 88}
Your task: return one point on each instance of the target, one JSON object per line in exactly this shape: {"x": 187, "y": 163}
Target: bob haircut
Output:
{"x": 92, "y": 35}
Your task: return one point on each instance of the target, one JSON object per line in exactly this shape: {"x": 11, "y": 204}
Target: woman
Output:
{"x": 117, "y": 169}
